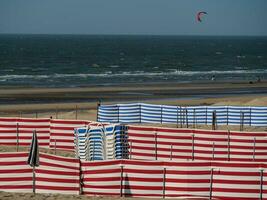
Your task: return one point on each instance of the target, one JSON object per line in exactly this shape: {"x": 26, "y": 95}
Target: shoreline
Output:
{"x": 151, "y": 83}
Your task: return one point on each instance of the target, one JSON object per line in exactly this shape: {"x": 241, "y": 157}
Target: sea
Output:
{"x": 86, "y": 60}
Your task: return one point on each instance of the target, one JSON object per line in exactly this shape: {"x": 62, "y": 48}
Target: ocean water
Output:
{"x": 83, "y": 60}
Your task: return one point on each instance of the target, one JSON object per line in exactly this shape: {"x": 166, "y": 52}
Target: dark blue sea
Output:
{"x": 84, "y": 60}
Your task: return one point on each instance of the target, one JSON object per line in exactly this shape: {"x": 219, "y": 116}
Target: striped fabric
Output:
{"x": 9, "y": 131}
{"x": 15, "y": 131}
{"x": 58, "y": 174}
{"x": 55, "y": 174}
{"x": 15, "y": 173}
{"x": 191, "y": 179}
{"x": 155, "y": 143}
{"x": 149, "y": 113}
{"x": 101, "y": 142}
{"x": 101, "y": 177}
{"x": 19, "y": 130}
{"x": 50, "y": 132}
{"x": 62, "y": 133}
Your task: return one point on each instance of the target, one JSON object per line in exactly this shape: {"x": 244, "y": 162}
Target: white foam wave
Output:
{"x": 23, "y": 76}
{"x": 114, "y": 66}
{"x": 170, "y": 72}
{"x": 7, "y": 70}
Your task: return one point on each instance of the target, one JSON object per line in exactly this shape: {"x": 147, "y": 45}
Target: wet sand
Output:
{"x": 130, "y": 92}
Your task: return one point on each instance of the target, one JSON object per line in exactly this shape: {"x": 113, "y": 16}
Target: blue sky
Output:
{"x": 157, "y": 17}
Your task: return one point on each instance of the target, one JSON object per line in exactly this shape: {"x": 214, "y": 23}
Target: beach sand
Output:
{"x": 31, "y": 196}
{"x": 62, "y": 103}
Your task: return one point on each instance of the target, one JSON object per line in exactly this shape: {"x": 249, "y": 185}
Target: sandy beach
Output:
{"x": 31, "y": 196}
{"x": 63, "y": 102}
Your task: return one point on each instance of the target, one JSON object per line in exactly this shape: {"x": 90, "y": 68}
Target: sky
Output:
{"x": 144, "y": 17}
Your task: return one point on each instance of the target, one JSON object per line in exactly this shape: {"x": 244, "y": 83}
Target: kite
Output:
{"x": 200, "y": 14}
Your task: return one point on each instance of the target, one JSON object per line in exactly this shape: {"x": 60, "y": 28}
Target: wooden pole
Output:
{"x": 193, "y": 147}
{"x": 261, "y": 183}
{"x": 211, "y": 183}
{"x": 241, "y": 121}
{"x": 164, "y": 183}
{"x": 81, "y": 177}
{"x": 121, "y": 185}
{"x": 33, "y": 179}
{"x": 214, "y": 120}
{"x": 36, "y": 114}
{"x": 17, "y": 133}
{"x": 171, "y": 153}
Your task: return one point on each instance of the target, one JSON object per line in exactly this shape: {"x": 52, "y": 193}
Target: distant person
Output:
{"x": 213, "y": 78}
{"x": 259, "y": 79}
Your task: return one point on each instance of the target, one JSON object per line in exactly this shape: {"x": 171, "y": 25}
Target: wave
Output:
{"x": 171, "y": 72}
{"x": 23, "y": 76}
{"x": 7, "y": 70}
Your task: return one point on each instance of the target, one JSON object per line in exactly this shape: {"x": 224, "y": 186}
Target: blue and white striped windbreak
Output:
{"x": 151, "y": 113}
{"x": 101, "y": 142}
